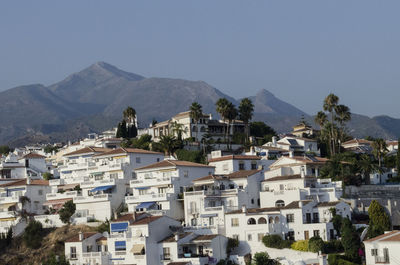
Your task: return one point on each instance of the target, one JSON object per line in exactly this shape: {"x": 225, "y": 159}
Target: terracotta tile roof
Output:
{"x": 204, "y": 237}
{"x": 390, "y": 236}
{"x": 357, "y": 141}
{"x": 256, "y": 210}
{"x": 392, "y": 142}
{"x": 75, "y": 238}
{"x": 88, "y": 150}
{"x": 173, "y": 163}
{"x": 126, "y": 217}
{"x": 33, "y": 156}
{"x": 272, "y": 148}
{"x": 146, "y": 220}
{"x": 234, "y": 157}
{"x": 243, "y": 173}
{"x": 58, "y": 201}
{"x": 22, "y": 182}
{"x": 295, "y": 205}
{"x": 289, "y": 177}
{"x": 171, "y": 238}
{"x": 121, "y": 150}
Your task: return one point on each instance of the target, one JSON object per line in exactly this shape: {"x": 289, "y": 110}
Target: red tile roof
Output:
{"x": 390, "y": 236}
{"x": 22, "y": 182}
{"x": 289, "y": 177}
{"x": 33, "y": 156}
{"x": 121, "y": 150}
{"x": 234, "y": 157}
{"x": 88, "y": 150}
{"x": 85, "y": 236}
{"x": 243, "y": 174}
{"x": 146, "y": 220}
{"x": 173, "y": 163}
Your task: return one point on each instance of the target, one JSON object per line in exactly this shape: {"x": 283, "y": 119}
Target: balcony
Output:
{"x": 65, "y": 195}
{"x": 382, "y": 260}
{"x": 136, "y": 183}
{"x": 95, "y": 183}
{"x": 7, "y": 214}
{"x": 148, "y": 197}
{"x": 218, "y": 193}
{"x": 13, "y": 199}
{"x": 94, "y": 198}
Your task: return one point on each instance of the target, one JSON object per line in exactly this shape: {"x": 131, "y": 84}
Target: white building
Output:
{"x": 298, "y": 220}
{"x": 29, "y": 165}
{"x": 156, "y": 187}
{"x": 20, "y": 197}
{"x": 87, "y": 248}
{"x": 213, "y": 195}
{"x": 383, "y": 249}
{"x": 232, "y": 163}
{"x": 295, "y": 144}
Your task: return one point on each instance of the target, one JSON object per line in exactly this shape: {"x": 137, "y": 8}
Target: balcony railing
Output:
{"x": 384, "y": 259}
{"x": 148, "y": 197}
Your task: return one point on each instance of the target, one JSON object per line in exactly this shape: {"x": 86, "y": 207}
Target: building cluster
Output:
{"x": 169, "y": 212}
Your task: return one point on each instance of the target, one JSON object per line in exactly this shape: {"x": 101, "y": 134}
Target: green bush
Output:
{"x": 275, "y": 241}
{"x": 54, "y": 260}
{"x": 232, "y": 244}
{"x": 315, "y": 244}
{"x": 67, "y": 211}
{"x": 301, "y": 245}
{"x": 33, "y": 235}
{"x": 333, "y": 246}
{"x": 191, "y": 156}
{"x": 336, "y": 259}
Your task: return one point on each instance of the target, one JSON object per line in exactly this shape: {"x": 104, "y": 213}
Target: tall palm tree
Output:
{"x": 232, "y": 115}
{"x": 246, "y": 109}
{"x": 343, "y": 115}
{"x": 196, "y": 112}
{"x": 129, "y": 115}
{"x": 168, "y": 144}
{"x": 320, "y": 119}
{"x": 223, "y": 106}
{"x": 330, "y": 102}
{"x": 379, "y": 150}
{"x": 366, "y": 167}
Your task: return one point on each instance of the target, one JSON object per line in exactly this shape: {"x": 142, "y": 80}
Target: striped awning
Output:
{"x": 137, "y": 249}
{"x": 56, "y": 202}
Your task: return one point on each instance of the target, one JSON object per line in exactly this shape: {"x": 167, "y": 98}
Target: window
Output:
{"x": 98, "y": 248}
{"x": 241, "y": 166}
{"x": 290, "y": 218}
{"x": 262, "y": 220}
{"x": 249, "y": 238}
{"x": 73, "y": 253}
{"x": 260, "y": 237}
{"x": 142, "y": 192}
{"x": 120, "y": 245}
{"x": 316, "y": 232}
{"x": 89, "y": 248}
{"x": 138, "y": 161}
{"x": 235, "y": 237}
{"x": 281, "y": 187}
{"x": 186, "y": 173}
{"x": 162, "y": 190}
{"x": 290, "y": 235}
{"x": 279, "y": 203}
{"x": 234, "y": 222}
{"x": 252, "y": 201}
{"x": 40, "y": 192}
{"x": 251, "y": 221}
{"x": 374, "y": 252}
{"x": 253, "y": 165}
{"x": 158, "y": 159}
{"x": 315, "y": 218}
{"x": 240, "y": 187}
{"x": 166, "y": 254}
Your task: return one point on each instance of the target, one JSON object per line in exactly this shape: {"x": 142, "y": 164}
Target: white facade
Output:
{"x": 157, "y": 186}
{"x": 233, "y": 163}
{"x": 383, "y": 249}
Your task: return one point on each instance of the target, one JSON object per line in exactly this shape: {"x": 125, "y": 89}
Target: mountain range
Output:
{"x": 93, "y": 99}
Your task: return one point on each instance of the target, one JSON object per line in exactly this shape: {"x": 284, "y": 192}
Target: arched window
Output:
{"x": 251, "y": 221}
{"x": 279, "y": 203}
{"x": 202, "y": 129}
{"x": 276, "y": 219}
{"x": 262, "y": 221}
{"x": 271, "y": 220}
{"x": 195, "y": 128}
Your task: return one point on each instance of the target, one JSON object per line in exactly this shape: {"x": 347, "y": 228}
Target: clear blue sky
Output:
{"x": 299, "y": 50}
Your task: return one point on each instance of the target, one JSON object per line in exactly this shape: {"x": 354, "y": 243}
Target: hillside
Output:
{"x": 93, "y": 99}
{"x": 53, "y": 242}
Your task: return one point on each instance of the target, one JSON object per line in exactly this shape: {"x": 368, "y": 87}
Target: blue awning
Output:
{"x": 119, "y": 227}
{"x": 142, "y": 188}
{"x": 102, "y": 188}
{"x": 145, "y": 205}
{"x": 15, "y": 189}
{"x": 120, "y": 245}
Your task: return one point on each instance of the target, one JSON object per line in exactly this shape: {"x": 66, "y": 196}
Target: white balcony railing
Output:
{"x": 148, "y": 197}
{"x": 94, "y": 198}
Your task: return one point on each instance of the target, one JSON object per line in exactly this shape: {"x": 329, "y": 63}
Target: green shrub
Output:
{"x": 275, "y": 241}
{"x": 333, "y": 246}
{"x": 67, "y": 211}
{"x": 232, "y": 243}
{"x": 315, "y": 244}
{"x": 336, "y": 259}
{"x": 301, "y": 245}
{"x": 33, "y": 235}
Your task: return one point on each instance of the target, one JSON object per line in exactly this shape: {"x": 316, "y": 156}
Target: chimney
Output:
{"x": 302, "y": 173}
{"x": 176, "y": 237}
{"x": 80, "y": 235}
{"x": 291, "y": 154}
{"x": 244, "y": 209}
{"x": 28, "y": 181}
{"x": 301, "y": 204}
{"x": 274, "y": 140}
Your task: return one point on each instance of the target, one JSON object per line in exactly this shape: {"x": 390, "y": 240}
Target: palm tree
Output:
{"x": 343, "y": 115}
{"x": 168, "y": 144}
{"x": 379, "y": 150}
{"x": 223, "y": 106}
{"x": 177, "y": 129}
{"x": 320, "y": 119}
{"x": 330, "y": 102}
{"x": 232, "y": 114}
{"x": 246, "y": 109}
{"x": 366, "y": 167}
{"x": 129, "y": 115}
{"x": 196, "y": 112}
